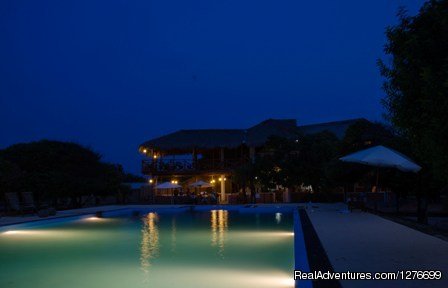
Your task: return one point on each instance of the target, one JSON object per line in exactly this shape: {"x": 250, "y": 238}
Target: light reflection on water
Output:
{"x": 219, "y": 224}
{"x": 218, "y": 249}
{"x": 152, "y": 247}
{"x": 278, "y": 217}
{"x": 150, "y": 242}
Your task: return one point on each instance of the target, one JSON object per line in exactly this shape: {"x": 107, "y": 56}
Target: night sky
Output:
{"x": 111, "y": 74}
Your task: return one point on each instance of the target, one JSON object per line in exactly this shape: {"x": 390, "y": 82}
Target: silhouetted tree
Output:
{"x": 53, "y": 169}
{"x": 364, "y": 134}
{"x": 417, "y": 85}
{"x": 291, "y": 163}
{"x": 416, "y": 82}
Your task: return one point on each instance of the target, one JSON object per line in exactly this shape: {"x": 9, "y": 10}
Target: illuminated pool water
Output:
{"x": 216, "y": 248}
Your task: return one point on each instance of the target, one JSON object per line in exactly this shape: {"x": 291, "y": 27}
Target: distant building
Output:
{"x": 212, "y": 154}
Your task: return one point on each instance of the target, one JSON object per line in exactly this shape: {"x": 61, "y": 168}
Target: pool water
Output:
{"x": 218, "y": 249}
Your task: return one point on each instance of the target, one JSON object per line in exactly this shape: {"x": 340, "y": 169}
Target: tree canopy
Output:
{"x": 312, "y": 160}
{"x": 291, "y": 163}
{"x": 53, "y": 169}
{"x": 416, "y": 83}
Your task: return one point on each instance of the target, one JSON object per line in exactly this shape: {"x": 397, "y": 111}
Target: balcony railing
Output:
{"x": 166, "y": 166}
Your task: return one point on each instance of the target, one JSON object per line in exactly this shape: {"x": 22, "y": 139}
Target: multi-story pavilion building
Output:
{"x": 212, "y": 155}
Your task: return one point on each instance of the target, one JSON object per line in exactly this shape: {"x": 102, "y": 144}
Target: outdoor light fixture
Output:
{"x": 144, "y": 151}
{"x": 174, "y": 181}
{"x": 155, "y": 156}
{"x": 151, "y": 181}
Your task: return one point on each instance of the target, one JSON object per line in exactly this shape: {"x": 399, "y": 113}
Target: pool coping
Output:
{"x": 301, "y": 260}
{"x": 317, "y": 256}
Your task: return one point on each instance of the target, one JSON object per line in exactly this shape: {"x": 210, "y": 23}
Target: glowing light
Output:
{"x": 94, "y": 218}
{"x": 151, "y": 181}
{"x": 149, "y": 245}
{"x": 223, "y": 277}
{"x": 155, "y": 156}
{"x": 12, "y": 232}
{"x": 144, "y": 151}
{"x": 22, "y": 232}
{"x": 174, "y": 181}
{"x": 219, "y": 224}
{"x": 278, "y": 217}
{"x": 44, "y": 234}
{"x": 263, "y": 235}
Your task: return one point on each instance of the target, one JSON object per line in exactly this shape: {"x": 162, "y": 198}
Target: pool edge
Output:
{"x": 317, "y": 256}
{"x": 300, "y": 252}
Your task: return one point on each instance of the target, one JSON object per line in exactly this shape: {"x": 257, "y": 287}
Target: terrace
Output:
{"x": 189, "y": 166}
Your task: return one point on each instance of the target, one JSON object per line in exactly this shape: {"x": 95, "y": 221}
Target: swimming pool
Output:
{"x": 158, "y": 249}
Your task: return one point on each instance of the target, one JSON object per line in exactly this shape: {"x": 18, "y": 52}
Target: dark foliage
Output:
{"x": 53, "y": 170}
{"x": 313, "y": 161}
{"x": 417, "y": 83}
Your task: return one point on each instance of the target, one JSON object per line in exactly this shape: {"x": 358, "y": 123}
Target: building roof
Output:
{"x": 338, "y": 128}
{"x": 259, "y": 134}
{"x": 255, "y": 136}
{"x": 200, "y": 139}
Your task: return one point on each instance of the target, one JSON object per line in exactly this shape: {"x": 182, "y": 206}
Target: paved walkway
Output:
{"x": 365, "y": 242}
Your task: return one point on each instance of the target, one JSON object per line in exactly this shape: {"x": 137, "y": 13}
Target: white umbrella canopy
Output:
{"x": 168, "y": 185}
{"x": 201, "y": 184}
{"x": 380, "y": 156}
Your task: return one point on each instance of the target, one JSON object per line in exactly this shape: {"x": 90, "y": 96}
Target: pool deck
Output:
{"x": 364, "y": 242}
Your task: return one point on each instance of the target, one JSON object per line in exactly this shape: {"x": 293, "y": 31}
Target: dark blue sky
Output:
{"x": 111, "y": 74}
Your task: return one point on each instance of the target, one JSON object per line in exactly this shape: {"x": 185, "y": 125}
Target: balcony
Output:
{"x": 185, "y": 167}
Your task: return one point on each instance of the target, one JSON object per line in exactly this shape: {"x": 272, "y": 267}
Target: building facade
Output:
{"x": 212, "y": 155}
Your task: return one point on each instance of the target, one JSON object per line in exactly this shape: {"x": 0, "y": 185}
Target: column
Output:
{"x": 223, "y": 189}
